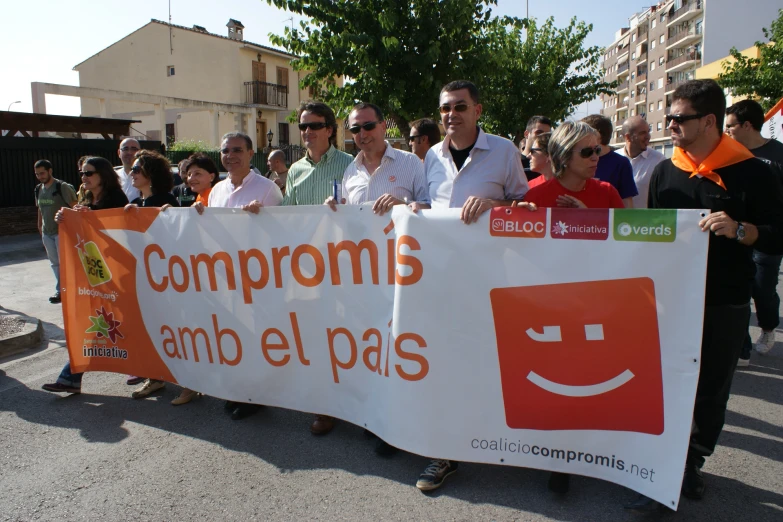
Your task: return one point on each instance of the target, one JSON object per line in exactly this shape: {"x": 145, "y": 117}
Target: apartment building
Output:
{"x": 662, "y": 48}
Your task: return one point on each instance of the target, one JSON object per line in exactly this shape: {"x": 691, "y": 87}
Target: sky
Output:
{"x": 45, "y": 43}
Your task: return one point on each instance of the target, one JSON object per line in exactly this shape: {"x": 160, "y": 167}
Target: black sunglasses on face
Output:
{"x": 679, "y": 119}
{"x": 589, "y": 151}
{"x": 413, "y": 138}
{"x": 460, "y": 107}
{"x": 126, "y": 149}
{"x": 136, "y": 169}
{"x": 536, "y": 149}
{"x": 88, "y": 173}
{"x": 370, "y": 125}
{"x": 316, "y": 125}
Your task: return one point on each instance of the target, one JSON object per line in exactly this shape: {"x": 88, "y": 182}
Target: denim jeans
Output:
{"x": 67, "y": 378}
{"x": 765, "y": 295}
{"x": 52, "y": 246}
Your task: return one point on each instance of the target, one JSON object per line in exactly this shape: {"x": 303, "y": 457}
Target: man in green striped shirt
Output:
{"x": 312, "y": 179}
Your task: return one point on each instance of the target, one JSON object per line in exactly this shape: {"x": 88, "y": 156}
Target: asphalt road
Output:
{"x": 103, "y": 456}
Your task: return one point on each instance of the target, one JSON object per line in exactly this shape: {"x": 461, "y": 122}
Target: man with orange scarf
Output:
{"x": 745, "y": 200}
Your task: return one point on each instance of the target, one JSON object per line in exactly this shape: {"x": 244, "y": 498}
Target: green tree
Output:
{"x": 547, "y": 72}
{"x": 760, "y": 78}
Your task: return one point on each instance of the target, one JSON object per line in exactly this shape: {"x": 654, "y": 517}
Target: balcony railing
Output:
{"x": 262, "y": 93}
{"x": 623, "y": 86}
{"x": 693, "y": 5}
{"x": 642, "y": 31}
{"x": 641, "y": 58}
{"x": 673, "y": 85}
{"x": 683, "y": 34}
{"x": 623, "y": 67}
{"x": 688, "y": 56}
{"x": 641, "y": 78}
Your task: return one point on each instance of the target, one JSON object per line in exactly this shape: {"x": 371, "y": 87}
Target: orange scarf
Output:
{"x": 728, "y": 152}
{"x": 204, "y": 197}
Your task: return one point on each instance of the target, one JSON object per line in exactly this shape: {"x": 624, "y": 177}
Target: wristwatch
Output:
{"x": 740, "y": 231}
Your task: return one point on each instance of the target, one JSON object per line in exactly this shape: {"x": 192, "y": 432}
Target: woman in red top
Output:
{"x": 539, "y": 160}
{"x": 573, "y": 151}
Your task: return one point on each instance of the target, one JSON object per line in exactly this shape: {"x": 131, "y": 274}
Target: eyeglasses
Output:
{"x": 679, "y": 119}
{"x": 589, "y": 151}
{"x": 126, "y": 149}
{"x": 536, "y": 149}
{"x": 136, "y": 169}
{"x": 414, "y": 138}
{"x": 88, "y": 173}
{"x": 315, "y": 125}
{"x": 460, "y": 107}
{"x": 370, "y": 125}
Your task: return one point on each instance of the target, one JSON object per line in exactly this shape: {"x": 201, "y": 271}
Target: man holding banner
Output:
{"x": 711, "y": 171}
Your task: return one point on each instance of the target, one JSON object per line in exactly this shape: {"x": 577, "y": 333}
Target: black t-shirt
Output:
{"x": 184, "y": 195}
{"x": 771, "y": 153}
{"x": 753, "y": 194}
{"x": 157, "y": 200}
{"x": 113, "y": 199}
{"x": 460, "y": 156}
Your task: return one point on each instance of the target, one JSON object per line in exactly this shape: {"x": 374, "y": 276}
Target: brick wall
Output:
{"x": 18, "y": 220}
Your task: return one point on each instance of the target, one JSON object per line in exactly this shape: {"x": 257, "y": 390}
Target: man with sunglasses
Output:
{"x": 424, "y": 135}
{"x": 127, "y": 153}
{"x": 636, "y": 132}
{"x": 709, "y": 170}
{"x": 744, "y": 120}
{"x": 312, "y": 179}
{"x": 471, "y": 169}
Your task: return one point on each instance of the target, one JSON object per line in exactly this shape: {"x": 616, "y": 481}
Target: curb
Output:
{"x": 31, "y": 335}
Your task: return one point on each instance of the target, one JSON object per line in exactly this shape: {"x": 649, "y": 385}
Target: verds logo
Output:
{"x": 517, "y": 222}
{"x": 580, "y": 356}
{"x": 654, "y": 225}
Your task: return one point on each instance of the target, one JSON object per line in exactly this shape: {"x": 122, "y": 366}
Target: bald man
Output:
{"x": 643, "y": 159}
{"x": 277, "y": 169}
{"x": 127, "y": 151}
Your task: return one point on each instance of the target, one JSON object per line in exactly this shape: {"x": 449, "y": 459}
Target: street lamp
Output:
{"x": 269, "y": 136}
{"x": 9, "y": 105}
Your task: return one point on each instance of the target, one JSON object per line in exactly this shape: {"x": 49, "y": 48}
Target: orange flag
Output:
{"x": 728, "y": 152}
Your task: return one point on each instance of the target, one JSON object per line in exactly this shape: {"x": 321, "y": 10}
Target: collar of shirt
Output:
{"x": 325, "y": 158}
{"x": 387, "y": 153}
{"x": 244, "y": 181}
{"x": 481, "y": 143}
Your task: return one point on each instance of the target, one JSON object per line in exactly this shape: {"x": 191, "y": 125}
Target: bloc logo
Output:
{"x": 580, "y": 223}
{"x": 105, "y": 326}
{"x": 653, "y": 225}
{"x": 517, "y": 222}
{"x": 93, "y": 262}
{"x": 580, "y": 356}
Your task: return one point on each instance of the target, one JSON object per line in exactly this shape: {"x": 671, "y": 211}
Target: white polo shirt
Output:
{"x": 400, "y": 174}
{"x": 126, "y": 182}
{"x": 492, "y": 171}
{"x": 253, "y": 187}
{"x": 643, "y": 166}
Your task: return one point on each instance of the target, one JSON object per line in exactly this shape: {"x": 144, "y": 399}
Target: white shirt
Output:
{"x": 643, "y": 166}
{"x": 126, "y": 182}
{"x": 253, "y": 187}
{"x": 400, "y": 174}
{"x": 492, "y": 171}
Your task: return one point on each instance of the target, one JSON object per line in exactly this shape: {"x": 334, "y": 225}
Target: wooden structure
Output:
{"x": 31, "y": 124}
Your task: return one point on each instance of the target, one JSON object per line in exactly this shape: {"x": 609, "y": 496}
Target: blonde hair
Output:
{"x": 563, "y": 141}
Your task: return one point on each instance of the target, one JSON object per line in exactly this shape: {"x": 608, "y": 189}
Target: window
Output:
{"x": 663, "y": 17}
{"x": 652, "y": 66}
{"x": 169, "y": 70}
{"x": 633, "y": 55}
{"x": 282, "y": 135}
{"x": 653, "y": 23}
{"x": 652, "y": 44}
{"x": 652, "y": 107}
{"x": 660, "y": 83}
{"x": 660, "y": 104}
{"x": 658, "y": 126}
{"x": 661, "y": 60}
{"x": 662, "y": 39}
{"x": 652, "y": 86}
{"x": 633, "y": 37}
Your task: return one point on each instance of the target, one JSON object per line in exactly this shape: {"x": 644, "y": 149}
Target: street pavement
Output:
{"x": 104, "y": 456}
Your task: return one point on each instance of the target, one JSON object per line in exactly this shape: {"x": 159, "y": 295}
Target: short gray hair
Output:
{"x": 563, "y": 141}
{"x": 248, "y": 140}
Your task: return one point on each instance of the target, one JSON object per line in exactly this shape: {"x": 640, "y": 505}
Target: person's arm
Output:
{"x": 652, "y": 193}
{"x": 627, "y": 188}
{"x": 628, "y": 202}
{"x": 40, "y": 221}
{"x": 69, "y": 194}
{"x": 765, "y": 212}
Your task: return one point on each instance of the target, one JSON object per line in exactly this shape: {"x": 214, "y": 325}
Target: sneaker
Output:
{"x": 55, "y": 298}
{"x": 742, "y": 363}
{"x": 765, "y": 342}
{"x": 243, "y": 411}
{"x": 435, "y": 474}
{"x": 185, "y": 396}
{"x": 149, "y": 387}
{"x": 133, "y": 380}
{"x": 693, "y": 482}
{"x": 56, "y": 387}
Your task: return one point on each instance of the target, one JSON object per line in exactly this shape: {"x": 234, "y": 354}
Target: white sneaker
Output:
{"x": 765, "y": 342}
{"x": 742, "y": 363}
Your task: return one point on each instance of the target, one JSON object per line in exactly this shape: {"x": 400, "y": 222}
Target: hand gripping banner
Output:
{"x": 561, "y": 339}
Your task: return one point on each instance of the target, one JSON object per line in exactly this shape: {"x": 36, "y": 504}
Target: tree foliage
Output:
{"x": 399, "y": 53}
{"x": 760, "y": 78}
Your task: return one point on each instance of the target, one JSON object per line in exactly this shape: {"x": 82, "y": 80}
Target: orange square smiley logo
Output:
{"x": 580, "y": 356}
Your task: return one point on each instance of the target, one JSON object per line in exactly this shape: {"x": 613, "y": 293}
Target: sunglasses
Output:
{"x": 88, "y": 173}
{"x": 536, "y": 149}
{"x": 414, "y": 138}
{"x": 370, "y": 125}
{"x": 136, "y": 169}
{"x": 679, "y": 119}
{"x": 589, "y": 151}
{"x": 126, "y": 149}
{"x": 316, "y": 125}
{"x": 460, "y": 107}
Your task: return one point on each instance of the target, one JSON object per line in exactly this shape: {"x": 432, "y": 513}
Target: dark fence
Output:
{"x": 263, "y": 93}
{"x": 18, "y": 155}
{"x": 292, "y": 153}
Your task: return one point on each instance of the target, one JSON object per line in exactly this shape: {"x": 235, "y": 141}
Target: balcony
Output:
{"x": 623, "y": 68}
{"x": 622, "y": 105}
{"x": 622, "y": 87}
{"x": 641, "y": 59}
{"x": 641, "y": 78}
{"x": 641, "y": 32}
{"x": 683, "y": 37}
{"x": 683, "y": 61}
{"x": 269, "y": 94}
{"x": 686, "y": 12}
{"x": 671, "y": 87}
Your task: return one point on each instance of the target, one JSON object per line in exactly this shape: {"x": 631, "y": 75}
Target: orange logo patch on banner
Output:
{"x": 517, "y": 222}
{"x": 580, "y": 356}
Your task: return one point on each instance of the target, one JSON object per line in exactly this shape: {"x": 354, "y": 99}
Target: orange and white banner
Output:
{"x": 560, "y": 339}
{"x": 773, "y": 122}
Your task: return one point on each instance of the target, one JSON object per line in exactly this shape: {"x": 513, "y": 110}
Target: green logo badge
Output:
{"x": 659, "y": 226}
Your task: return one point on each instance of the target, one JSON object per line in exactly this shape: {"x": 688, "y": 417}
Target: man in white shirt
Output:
{"x": 127, "y": 153}
{"x": 643, "y": 159}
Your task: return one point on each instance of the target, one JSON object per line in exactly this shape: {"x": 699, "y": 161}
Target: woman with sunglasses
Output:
{"x": 101, "y": 182}
{"x": 573, "y": 149}
{"x": 540, "y": 163}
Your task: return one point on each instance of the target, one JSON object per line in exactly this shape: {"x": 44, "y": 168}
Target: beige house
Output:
{"x": 187, "y": 83}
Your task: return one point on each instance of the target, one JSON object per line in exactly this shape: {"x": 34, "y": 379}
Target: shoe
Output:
{"x": 435, "y": 474}
{"x": 322, "y": 425}
{"x": 693, "y": 482}
{"x": 643, "y": 504}
{"x": 559, "y": 482}
{"x": 244, "y": 410}
{"x": 133, "y": 380}
{"x": 56, "y": 387}
{"x": 150, "y": 386}
{"x": 185, "y": 396}
{"x": 765, "y": 342}
{"x": 55, "y": 298}
{"x": 384, "y": 449}
{"x": 230, "y": 406}
{"x": 743, "y": 363}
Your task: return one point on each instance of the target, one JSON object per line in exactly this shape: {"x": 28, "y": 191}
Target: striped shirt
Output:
{"x": 400, "y": 174}
{"x": 311, "y": 183}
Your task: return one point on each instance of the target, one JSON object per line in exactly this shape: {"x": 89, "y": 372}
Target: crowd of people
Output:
{"x": 735, "y": 174}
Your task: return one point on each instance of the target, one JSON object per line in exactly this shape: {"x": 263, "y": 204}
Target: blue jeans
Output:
{"x": 765, "y": 295}
{"x": 52, "y": 246}
{"x": 67, "y": 378}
